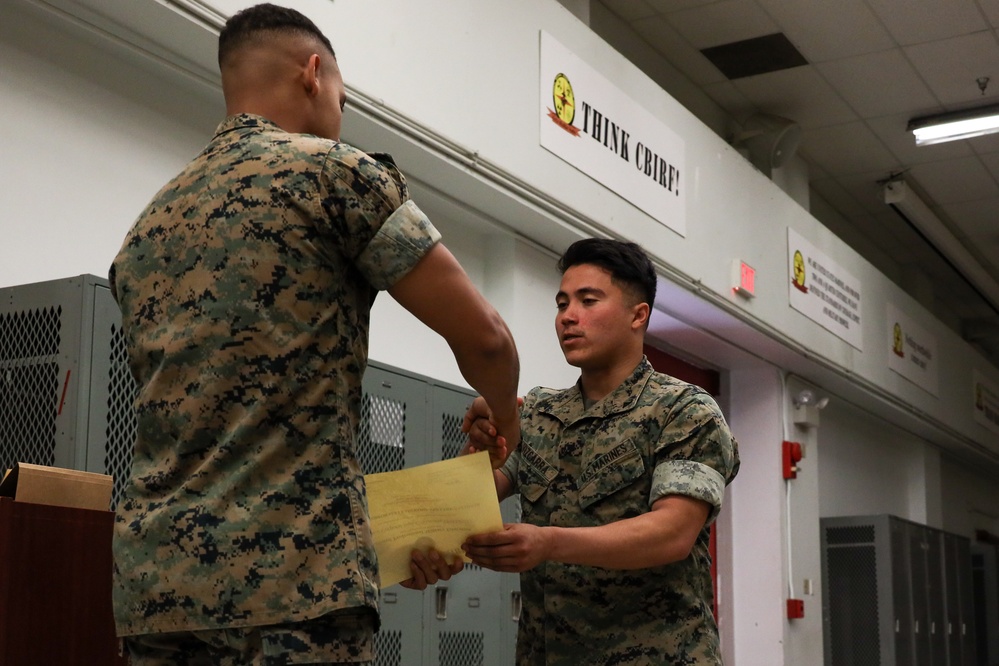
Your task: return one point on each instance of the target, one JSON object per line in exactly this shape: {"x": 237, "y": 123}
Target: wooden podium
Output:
{"x": 55, "y": 586}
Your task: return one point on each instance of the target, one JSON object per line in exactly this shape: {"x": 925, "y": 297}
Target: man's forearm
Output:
{"x": 490, "y": 364}
{"x": 662, "y": 536}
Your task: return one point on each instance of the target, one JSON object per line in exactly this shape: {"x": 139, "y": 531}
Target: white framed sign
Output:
{"x": 912, "y": 351}
{"x": 823, "y": 291}
{"x": 591, "y": 124}
{"x": 986, "y": 401}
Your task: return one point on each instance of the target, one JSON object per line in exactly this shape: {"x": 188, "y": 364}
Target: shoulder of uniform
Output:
{"x": 662, "y": 388}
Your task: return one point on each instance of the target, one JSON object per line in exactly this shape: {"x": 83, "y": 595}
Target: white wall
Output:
{"x": 870, "y": 467}
{"x": 90, "y": 138}
{"x": 774, "y": 524}
{"x": 970, "y": 500}
{"x": 755, "y": 509}
{"x": 801, "y": 516}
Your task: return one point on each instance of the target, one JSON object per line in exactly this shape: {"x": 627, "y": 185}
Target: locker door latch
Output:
{"x": 441, "y": 602}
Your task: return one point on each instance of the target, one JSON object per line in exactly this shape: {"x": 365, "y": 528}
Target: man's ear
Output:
{"x": 641, "y": 316}
{"x": 310, "y": 75}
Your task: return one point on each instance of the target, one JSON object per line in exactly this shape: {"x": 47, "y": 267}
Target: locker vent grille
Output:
{"x": 382, "y": 439}
{"x": 452, "y": 438}
{"x": 388, "y": 648}
{"x": 853, "y": 534}
{"x": 122, "y": 425}
{"x": 29, "y": 386}
{"x": 461, "y": 649}
{"x": 853, "y": 606}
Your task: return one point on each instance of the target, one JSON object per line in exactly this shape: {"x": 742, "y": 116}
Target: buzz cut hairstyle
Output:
{"x": 627, "y": 263}
{"x": 250, "y": 25}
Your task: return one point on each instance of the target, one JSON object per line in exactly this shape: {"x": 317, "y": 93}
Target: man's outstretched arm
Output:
{"x": 664, "y": 535}
{"x": 438, "y": 292}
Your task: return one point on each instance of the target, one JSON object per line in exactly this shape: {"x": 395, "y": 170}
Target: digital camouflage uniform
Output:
{"x": 652, "y": 436}
{"x": 245, "y": 289}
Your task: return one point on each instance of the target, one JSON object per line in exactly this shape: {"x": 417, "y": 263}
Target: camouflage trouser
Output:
{"x": 339, "y": 638}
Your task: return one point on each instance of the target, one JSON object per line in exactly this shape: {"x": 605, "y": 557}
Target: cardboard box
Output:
{"x": 38, "y": 484}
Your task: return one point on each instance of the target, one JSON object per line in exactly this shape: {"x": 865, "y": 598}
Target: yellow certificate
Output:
{"x": 430, "y": 506}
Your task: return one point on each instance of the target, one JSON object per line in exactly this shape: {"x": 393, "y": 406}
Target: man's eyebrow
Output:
{"x": 582, "y": 291}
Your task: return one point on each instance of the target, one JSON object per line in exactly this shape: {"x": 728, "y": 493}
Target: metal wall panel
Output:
{"x": 901, "y": 595}
{"x": 510, "y": 592}
{"x": 914, "y": 584}
{"x": 984, "y": 585}
{"x": 40, "y": 370}
{"x": 966, "y": 630}
{"x": 960, "y": 602}
{"x": 55, "y": 374}
{"x": 920, "y": 595}
{"x": 392, "y": 435}
{"x": 936, "y": 594}
{"x": 112, "y": 425}
{"x": 466, "y": 609}
{"x": 852, "y": 603}
{"x": 456, "y": 622}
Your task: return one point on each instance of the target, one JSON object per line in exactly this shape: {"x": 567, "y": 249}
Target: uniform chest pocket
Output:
{"x": 534, "y": 475}
{"x": 610, "y": 472}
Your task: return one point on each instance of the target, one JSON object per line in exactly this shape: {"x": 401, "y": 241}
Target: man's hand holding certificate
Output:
{"x": 430, "y": 506}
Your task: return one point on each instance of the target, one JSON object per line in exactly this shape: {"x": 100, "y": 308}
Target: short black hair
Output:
{"x": 627, "y": 263}
{"x": 248, "y": 24}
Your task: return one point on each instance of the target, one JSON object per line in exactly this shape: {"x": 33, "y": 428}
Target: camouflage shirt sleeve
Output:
{"x": 696, "y": 455}
{"x": 366, "y": 201}
{"x": 510, "y": 468}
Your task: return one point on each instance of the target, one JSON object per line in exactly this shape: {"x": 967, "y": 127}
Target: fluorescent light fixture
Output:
{"x": 900, "y": 196}
{"x": 955, "y": 125}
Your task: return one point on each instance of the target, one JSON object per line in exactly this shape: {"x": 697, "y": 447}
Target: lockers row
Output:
{"x": 896, "y": 593}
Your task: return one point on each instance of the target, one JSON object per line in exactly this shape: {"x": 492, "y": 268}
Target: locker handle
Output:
{"x": 441, "y": 598}
{"x": 917, "y": 626}
{"x": 515, "y": 605}
{"x": 390, "y": 597}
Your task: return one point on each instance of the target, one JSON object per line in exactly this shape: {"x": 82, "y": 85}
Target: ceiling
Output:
{"x": 870, "y": 67}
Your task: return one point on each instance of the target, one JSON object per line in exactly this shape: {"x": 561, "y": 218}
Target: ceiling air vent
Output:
{"x": 759, "y": 55}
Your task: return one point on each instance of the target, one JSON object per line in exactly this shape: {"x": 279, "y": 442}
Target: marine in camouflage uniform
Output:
{"x": 245, "y": 289}
{"x": 578, "y": 467}
{"x": 619, "y": 477}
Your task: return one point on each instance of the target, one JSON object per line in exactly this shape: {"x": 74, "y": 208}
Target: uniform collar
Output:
{"x": 244, "y": 121}
{"x": 567, "y": 406}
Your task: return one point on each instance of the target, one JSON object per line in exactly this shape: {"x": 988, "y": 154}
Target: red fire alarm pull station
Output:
{"x": 790, "y": 457}
{"x": 795, "y": 609}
